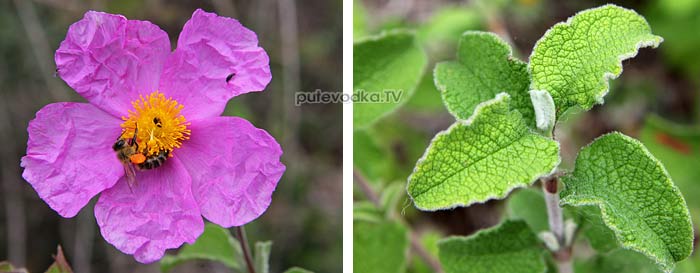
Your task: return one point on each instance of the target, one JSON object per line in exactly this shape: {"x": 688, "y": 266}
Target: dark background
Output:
{"x": 303, "y": 41}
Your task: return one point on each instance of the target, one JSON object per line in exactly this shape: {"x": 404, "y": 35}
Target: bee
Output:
{"x": 128, "y": 154}
{"x": 154, "y": 161}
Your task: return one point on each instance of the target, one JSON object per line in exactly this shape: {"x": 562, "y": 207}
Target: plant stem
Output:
{"x": 414, "y": 239}
{"x": 556, "y": 223}
{"x": 240, "y": 233}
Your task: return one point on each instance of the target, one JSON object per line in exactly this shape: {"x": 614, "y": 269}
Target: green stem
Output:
{"x": 240, "y": 233}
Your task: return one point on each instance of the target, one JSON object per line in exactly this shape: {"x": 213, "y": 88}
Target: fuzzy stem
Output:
{"x": 556, "y": 223}
{"x": 240, "y": 233}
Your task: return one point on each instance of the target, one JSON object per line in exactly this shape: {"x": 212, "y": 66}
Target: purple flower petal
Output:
{"x": 235, "y": 168}
{"x": 69, "y": 155}
{"x": 110, "y": 60}
{"x": 156, "y": 214}
{"x": 209, "y": 50}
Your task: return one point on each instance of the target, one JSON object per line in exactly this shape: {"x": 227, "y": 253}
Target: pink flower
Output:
{"x": 221, "y": 168}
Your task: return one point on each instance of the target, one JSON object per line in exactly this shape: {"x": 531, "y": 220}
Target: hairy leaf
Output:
{"x": 386, "y": 70}
{"x": 637, "y": 199}
{"x": 574, "y": 60}
{"x": 509, "y": 247}
{"x": 379, "y": 247}
{"x": 215, "y": 244}
{"x": 484, "y": 68}
{"x": 482, "y": 158}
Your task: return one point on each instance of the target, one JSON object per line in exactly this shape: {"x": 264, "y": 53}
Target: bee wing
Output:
{"x": 130, "y": 173}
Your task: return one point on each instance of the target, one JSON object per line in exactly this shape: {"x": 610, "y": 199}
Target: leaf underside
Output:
{"x": 480, "y": 159}
{"x": 509, "y": 247}
{"x": 574, "y": 60}
{"x": 484, "y": 68}
{"x": 637, "y": 199}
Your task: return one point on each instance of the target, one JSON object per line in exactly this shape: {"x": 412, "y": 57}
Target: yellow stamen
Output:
{"x": 160, "y": 125}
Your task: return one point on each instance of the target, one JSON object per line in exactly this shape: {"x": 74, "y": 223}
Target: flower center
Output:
{"x": 158, "y": 124}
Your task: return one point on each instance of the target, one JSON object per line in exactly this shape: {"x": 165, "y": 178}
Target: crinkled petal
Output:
{"x": 69, "y": 155}
{"x": 209, "y": 49}
{"x": 110, "y": 60}
{"x": 156, "y": 214}
{"x": 235, "y": 168}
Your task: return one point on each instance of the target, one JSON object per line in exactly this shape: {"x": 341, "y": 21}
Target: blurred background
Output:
{"x": 656, "y": 99}
{"x": 304, "y": 45}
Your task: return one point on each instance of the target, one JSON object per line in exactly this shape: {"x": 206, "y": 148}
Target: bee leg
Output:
{"x": 133, "y": 139}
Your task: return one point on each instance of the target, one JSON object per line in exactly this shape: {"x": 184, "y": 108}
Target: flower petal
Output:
{"x": 110, "y": 60}
{"x": 69, "y": 155}
{"x": 156, "y": 214}
{"x": 235, "y": 168}
{"x": 211, "y": 48}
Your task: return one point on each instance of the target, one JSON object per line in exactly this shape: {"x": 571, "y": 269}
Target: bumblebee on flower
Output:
{"x": 151, "y": 139}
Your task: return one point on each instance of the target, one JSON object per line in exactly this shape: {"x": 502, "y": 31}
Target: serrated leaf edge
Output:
{"x": 407, "y": 93}
{"x": 442, "y": 88}
{"x": 607, "y": 76}
{"x": 606, "y": 216}
{"x": 477, "y": 110}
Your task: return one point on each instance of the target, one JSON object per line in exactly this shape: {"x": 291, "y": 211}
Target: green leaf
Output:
{"x": 618, "y": 261}
{"x": 366, "y": 211}
{"x": 370, "y": 158}
{"x": 297, "y": 270}
{"x": 678, "y": 147}
{"x": 262, "y": 256}
{"x": 599, "y": 236}
{"x": 574, "y": 60}
{"x": 386, "y": 70}
{"x": 447, "y": 24}
{"x": 509, "y": 247}
{"x": 528, "y": 204}
{"x": 637, "y": 199}
{"x": 484, "y": 67}
{"x": 392, "y": 194}
{"x": 215, "y": 244}
{"x": 482, "y": 158}
{"x": 359, "y": 21}
{"x": 379, "y": 247}
{"x": 426, "y": 98}
{"x": 7, "y": 267}
{"x": 60, "y": 265}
